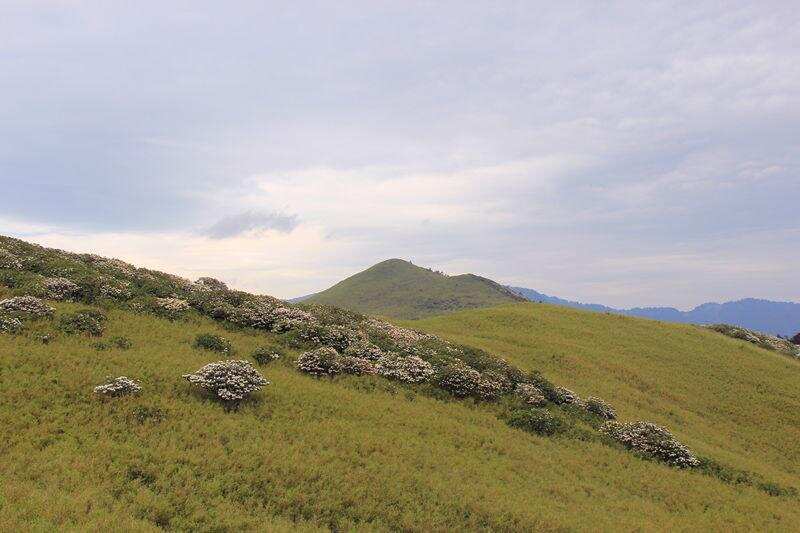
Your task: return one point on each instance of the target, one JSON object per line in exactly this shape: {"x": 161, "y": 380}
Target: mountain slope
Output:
{"x": 775, "y": 318}
{"x": 397, "y": 288}
{"x": 727, "y": 396}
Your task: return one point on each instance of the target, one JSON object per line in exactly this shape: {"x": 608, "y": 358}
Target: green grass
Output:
{"x": 725, "y": 398}
{"x": 396, "y": 288}
{"x": 367, "y": 454}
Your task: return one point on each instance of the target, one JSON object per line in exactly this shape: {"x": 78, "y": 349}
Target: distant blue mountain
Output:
{"x": 774, "y": 318}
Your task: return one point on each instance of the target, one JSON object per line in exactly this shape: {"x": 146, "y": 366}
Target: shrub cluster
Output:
{"x": 459, "y": 379}
{"x": 357, "y": 366}
{"x": 410, "y": 369}
{"x": 9, "y": 260}
{"x": 651, "y": 440}
{"x": 539, "y": 421}
{"x": 60, "y": 288}
{"x": 324, "y": 361}
{"x": 530, "y": 394}
{"x": 29, "y": 306}
{"x": 171, "y": 308}
{"x": 87, "y": 321}
{"x": 230, "y": 380}
{"x": 210, "y": 284}
{"x": 563, "y": 396}
{"x": 600, "y": 408}
{"x": 264, "y": 355}
{"x": 120, "y": 386}
{"x": 213, "y": 342}
{"x": 10, "y": 324}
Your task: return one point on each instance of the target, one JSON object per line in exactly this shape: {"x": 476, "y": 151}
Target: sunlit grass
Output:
{"x": 363, "y": 453}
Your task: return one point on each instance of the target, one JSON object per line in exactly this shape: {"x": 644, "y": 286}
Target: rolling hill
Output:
{"x": 363, "y": 452}
{"x": 774, "y": 318}
{"x": 399, "y": 289}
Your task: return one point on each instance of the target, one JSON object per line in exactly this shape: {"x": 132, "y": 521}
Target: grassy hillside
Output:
{"x": 724, "y": 397}
{"x": 369, "y": 452}
{"x": 399, "y": 289}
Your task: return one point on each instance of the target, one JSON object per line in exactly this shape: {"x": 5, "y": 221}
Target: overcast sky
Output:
{"x": 627, "y": 153}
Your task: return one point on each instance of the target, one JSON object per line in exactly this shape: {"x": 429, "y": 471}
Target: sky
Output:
{"x": 626, "y": 153}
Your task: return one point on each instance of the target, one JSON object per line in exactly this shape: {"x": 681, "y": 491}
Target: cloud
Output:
{"x": 249, "y": 221}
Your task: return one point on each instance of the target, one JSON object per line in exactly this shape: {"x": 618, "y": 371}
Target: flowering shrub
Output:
{"x": 171, "y": 308}
{"x": 10, "y": 324}
{"x": 60, "y": 288}
{"x": 210, "y": 284}
{"x": 538, "y": 421}
{"x": 85, "y": 321}
{"x": 768, "y": 342}
{"x": 459, "y": 379}
{"x": 120, "y": 386}
{"x": 264, "y": 355}
{"x": 600, "y": 408}
{"x": 323, "y": 361}
{"x": 213, "y": 342}
{"x": 563, "y": 396}
{"x": 410, "y": 369}
{"x": 231, "y": 380}
{"x": 364, "y": 350}
{"x": 651, "y": 440}
{"x": 356, "y": 365}
{"x": 530, "y": 394}
{"x": 26, "y": 305}
{"x": 289, "y": 318}
{"x": 402, "y": 337}
{"x": 9, "y": 260}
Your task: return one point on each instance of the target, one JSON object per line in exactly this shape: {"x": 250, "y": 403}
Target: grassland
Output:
{"x": 399, "y": 289}
{"x": 363, "y": 453}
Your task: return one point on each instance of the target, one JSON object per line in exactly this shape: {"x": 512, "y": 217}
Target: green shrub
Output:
{"x": 264, "y": 355}
{"x": 213, "y": 342}
{"x": 539, "y": 421}
{"x": 88, "y": 321}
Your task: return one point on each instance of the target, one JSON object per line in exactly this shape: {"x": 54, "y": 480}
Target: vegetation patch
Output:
{"x": 213, "y": 342}
{"x": 86, "y": 321}
{"x": 230, "y": 381}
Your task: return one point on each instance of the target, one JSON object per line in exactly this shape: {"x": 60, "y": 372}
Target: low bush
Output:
{"x": 28, "y": 306}
{"x": 356, "y": 365}
{"x": 10, "y": 324}
{"x": 539, "y": 421}
{"x": 213, "y": 343}
{"x": 564, "y": 396}
{"x": 410, "y": 369}
{"x": 121, "y": 386}
{"x": 171, "y": 308}
{"x": 60, "y": 288}
{"x": 651, "y": 440}
{"x": 530, "y": 394}
{"x": 459, "y": 379}
{"x": 143, "y": 413}
{"x": 264, "y": 355}
{"x": 230, "y": 381}
{"x": 323, "y": 361}
{"x": 88, "y": 321}
{"x": 600, "y": 408}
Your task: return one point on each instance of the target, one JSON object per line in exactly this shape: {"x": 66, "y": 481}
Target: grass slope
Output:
{"x": 399, "y": 289}
{"x": 366, "y": 454}
{"x": 724, "y": 398}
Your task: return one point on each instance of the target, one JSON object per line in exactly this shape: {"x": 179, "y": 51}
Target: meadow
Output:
{"x": 363, "y": 453}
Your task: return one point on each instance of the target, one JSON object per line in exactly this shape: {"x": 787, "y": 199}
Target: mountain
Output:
{"x": 400, "y": 289}
{"x": 776, "y": 318}
{"x": 347, "y": 443}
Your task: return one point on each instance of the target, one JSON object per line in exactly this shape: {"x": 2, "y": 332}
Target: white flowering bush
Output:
{"x": 10, "y": 324}
{"x": 563, "y": 396}
{"x": 121, "y": 386}
{"x": 60, "y": 288}
{"x": 600, "y": 408}
{"x": 9, "y": 260}
{"x": 364, "y": 350}
{"x": 530, "y": 394}
{"x": 356, "y": 365}
{"x": 170, "y": 307}
{"x": 459, "y": 379}
{"x": 402, "y": 337}
{"x": 289, "y": 318}
{"x": 768, "y": 342}
{"x": 408, "y": 369}
{"x": 231, "y": 380}
{"x": 210, "y": 284}
{"x": 323, "y": 361}
{"x": 26, "y": 305}
{"x": 651, "y": 440}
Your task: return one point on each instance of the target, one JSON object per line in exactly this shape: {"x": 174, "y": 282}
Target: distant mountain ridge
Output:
{"x": 400, "y": 289}
{"x": 777, "y": 318}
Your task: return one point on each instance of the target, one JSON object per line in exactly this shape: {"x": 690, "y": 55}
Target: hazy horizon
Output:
{"x": 622, "y": 154}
